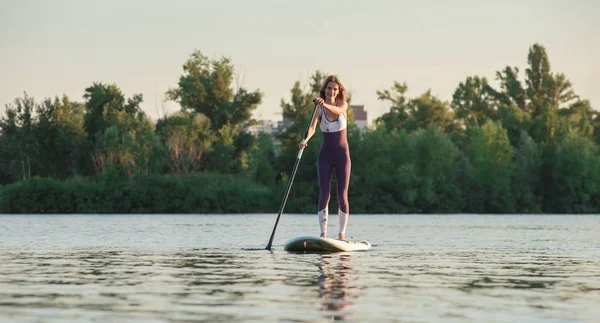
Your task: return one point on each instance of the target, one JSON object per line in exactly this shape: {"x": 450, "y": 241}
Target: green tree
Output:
{"x": 491, "y": 158}
{"x": 121, "y": 133}
{"x": 206, "y": 88}
{"x": 515, "y": 121}
{"x": 473, "y": 102}
{"x": 60, "y": 132}
{"x": 106, "y": 106}
{"x": 544, "y": 98}
{"x": 187, "y": 137}
{"x": 571, "y": 176}
{"x": 580, "y": 117}
{"x": 526, "y": 183}
{"x": 543, "y": 87}
{"x": 413, "y": 114}
{"x": 511, "y": 91}
{"x": 428, "y": 109}
{"x": 440, "y": 168}
{"x": 19, "y": 146}
{"x": 262, "y": 159}
{"x": 384, "y": 177}
{"x": 45, "y": 139}
{"x": 398, "y": 115}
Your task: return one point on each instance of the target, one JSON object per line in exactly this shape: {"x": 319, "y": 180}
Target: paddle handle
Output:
{"x": 291, "y": 179}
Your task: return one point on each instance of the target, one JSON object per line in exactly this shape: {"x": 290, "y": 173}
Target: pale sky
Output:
{"x": 55, "y": 47}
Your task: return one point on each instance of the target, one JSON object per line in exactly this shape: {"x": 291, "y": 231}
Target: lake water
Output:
{"x": 203, "y": 268}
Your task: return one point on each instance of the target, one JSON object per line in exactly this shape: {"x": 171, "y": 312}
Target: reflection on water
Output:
{"x": 335, "y": 273}
{"x": 425, "y": 271}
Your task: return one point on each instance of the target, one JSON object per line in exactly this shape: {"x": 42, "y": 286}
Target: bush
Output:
{"x": 192, "y": 193}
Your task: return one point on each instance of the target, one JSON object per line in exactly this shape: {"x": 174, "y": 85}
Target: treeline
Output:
{"x": 522, "y": 146}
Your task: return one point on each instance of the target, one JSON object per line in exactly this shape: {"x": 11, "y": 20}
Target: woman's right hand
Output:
{"x": 302, "y": 144}
{"x": 318, "y": 101}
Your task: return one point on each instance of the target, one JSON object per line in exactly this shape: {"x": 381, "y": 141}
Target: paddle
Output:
{"x": 291, "y": 179}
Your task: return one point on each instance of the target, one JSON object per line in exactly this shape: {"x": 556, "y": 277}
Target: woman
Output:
{"x": 334, "y": 153}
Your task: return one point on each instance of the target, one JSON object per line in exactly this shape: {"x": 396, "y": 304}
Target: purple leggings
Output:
{"x": 334, "y": 154}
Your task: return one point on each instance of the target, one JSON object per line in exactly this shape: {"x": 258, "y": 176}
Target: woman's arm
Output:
{"x": 312, "y": 128}
{"x": 335, "y": 109}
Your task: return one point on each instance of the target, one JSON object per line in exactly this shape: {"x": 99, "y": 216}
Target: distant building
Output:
{"x": 263, "y": 126}
{"x": 360, "y": 116}
{"x": 282, "y": 125}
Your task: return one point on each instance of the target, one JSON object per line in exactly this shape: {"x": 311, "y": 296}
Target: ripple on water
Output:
{"x": 492, "y": 269}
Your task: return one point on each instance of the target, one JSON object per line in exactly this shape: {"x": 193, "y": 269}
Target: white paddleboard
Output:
{"x": 318, "y": 244}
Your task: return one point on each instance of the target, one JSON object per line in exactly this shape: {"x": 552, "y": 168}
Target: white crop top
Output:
{"x": 332, "y": 126}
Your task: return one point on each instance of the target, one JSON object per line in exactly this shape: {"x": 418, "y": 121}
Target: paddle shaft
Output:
{"x": 291, "y": 180}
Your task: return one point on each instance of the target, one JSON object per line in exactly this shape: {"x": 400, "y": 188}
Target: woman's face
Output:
{"x": 332, "y": 90}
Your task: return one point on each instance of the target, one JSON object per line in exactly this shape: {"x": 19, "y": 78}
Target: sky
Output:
{"x": 51, "y": 48}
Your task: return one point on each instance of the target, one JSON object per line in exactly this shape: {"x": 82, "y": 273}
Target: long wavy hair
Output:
{"x": 341, "y": 96}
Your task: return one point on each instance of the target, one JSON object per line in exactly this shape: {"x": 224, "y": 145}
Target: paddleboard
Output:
{"x": 323, "y": 245}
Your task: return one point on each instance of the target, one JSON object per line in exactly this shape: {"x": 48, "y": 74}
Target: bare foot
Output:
{"x": 342, "y": 236}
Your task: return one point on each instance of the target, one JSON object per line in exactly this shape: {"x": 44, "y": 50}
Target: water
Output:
{"x": 202, "y": 268}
